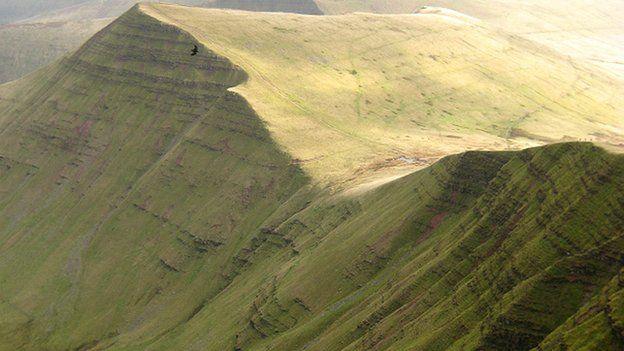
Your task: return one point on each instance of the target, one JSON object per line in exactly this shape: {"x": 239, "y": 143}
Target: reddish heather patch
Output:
{"x": 454, "y": 196}
{"x": 225, "y": 146}
{"x": 168, "y": 212}
{"x": 246, "y": 196}
{"x": 587, "y": 314}
{"x": 270, "y": 185}
{"x": 146, "y": 204}
{"x": 572, "y": 278}
{"x": 508, "y": 229}
{"x": 179, "y": 159}
{"x": 80, "y": 172}
{"x": 159, "y": 144}
{"x": 434, "y": 223}
{"x": 384, "y": 243}
{"x": 84, "y": 129}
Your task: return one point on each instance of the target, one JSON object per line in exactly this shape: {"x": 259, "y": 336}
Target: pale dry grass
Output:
{"x": 590, "y": 31}
{"x": 345, "y": 94}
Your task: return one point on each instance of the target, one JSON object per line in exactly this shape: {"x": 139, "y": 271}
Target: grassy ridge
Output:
{"x": 434, "y": 261}
{"x": 588, "y": 32}
{"x": 53, "y": 31}
{"x": 384, "y": 90}
{"x": 480, "y": 251}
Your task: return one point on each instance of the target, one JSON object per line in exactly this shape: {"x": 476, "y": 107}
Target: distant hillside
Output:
{"x": 587, "y": 30}
{"x": 114, "y": 8}
{"x": 53, "y": 31}
{"x": 11, "y": 11}
{"x": 28, "y": 46}
{"x": 293, "y": 6}
{"x": 233, "y": 200}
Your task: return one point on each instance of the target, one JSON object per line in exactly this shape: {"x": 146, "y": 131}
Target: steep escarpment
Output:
{"x": 482, "y": 251}
{"x": 130, "y": 177}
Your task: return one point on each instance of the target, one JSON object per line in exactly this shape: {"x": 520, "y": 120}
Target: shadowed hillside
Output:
{"x": 482, "y": 251}
{"x": 156, "y": 157}
{"x": 154, "y": 200}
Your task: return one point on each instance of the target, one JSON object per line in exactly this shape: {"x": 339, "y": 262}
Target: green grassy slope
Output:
{"x": 482, "y": 251}
{"x": 147, "y": 206}
{"x": 137, "y": 188}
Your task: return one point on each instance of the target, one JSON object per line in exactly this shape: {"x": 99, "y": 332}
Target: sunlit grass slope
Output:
{"x": 591, "y": 31}
{"x": 403, "y": 87}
